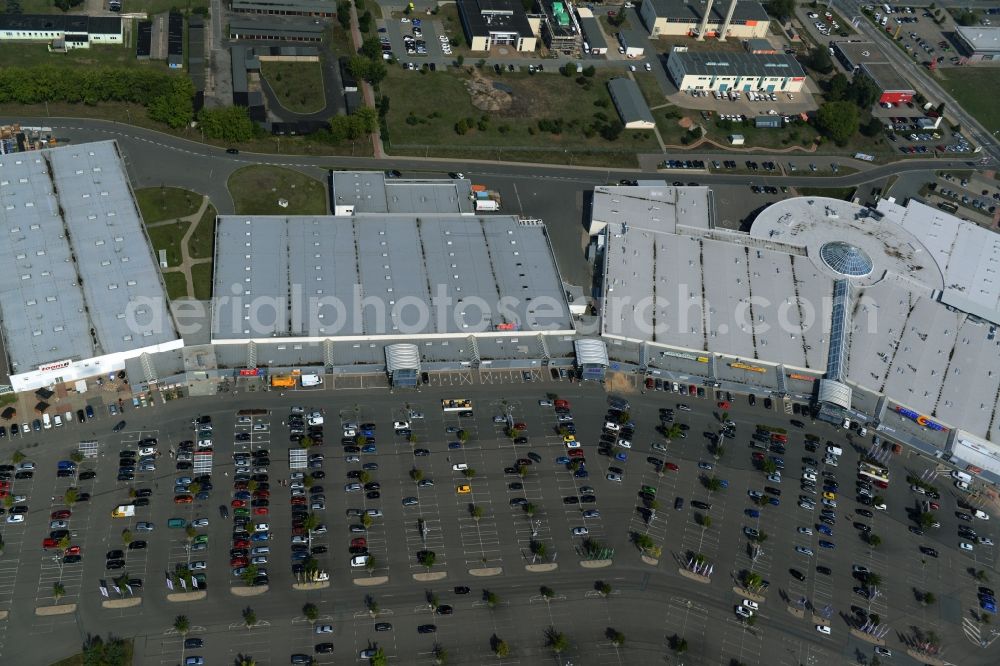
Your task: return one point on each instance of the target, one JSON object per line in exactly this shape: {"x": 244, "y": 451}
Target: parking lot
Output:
{"x": 497, "y": 515}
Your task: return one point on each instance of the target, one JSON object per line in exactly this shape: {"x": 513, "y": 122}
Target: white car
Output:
{"x": 199, "y": 565}
{"x": 831, "y": 461}
{"x": 656, "y": 446}
{"x": 752, "y": 605}
{"x": 258, "y": 559}
{"x": 324, "y": 629}
{"x": 15, "y": 518}
{"x": 359, "y": 560}
{"x": 631, "y": 68}
{"x": 350, "y": 432}
{"x": 580, "y": 531}
{"x": 58, "y": 525}
{"x": 400, "y": 425}
{"x": 352, "y": 487}
{"x": 985, "y": 541}
{"x": 315, "y": 420}
{"x": 261, "y": 527}
{"x": 459, "y": 467}
{"x": 574, "y": 444}
{"x": 883, "y": 652}
{"x": 611, "y": 427}
{"x": 774, "y": 478}
{"x": 25, "y": 466}
{"x": 624, "y": 443}
{"x": 648, "y": 67}
{"x": 802, "y": 550}
{"x": 617, "y": 478}
{"x": 147, "y": 451}
{"x": 963, "y": 545}
{"x": 981, "y": 515}
{"x": 744, "y": 612}
{"x": 808, "y": 506}
{"x": 823, "y": 629}
{"x": 805, "y": 530}
{"x": 809, "y": 477}
{"x": 857, "y": 568}
{"x": 200, "y": 522}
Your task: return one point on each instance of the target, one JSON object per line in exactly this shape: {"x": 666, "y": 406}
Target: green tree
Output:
{"x": 371, "y": 605}
{"x": 927, "y": 598}
{"x": 379, "y": 658}
{"x": 364, "y": 477}
{"x": 182, "y": 625}
{"x": 175, "y": 106}
{"x": 522, "y": 471}
{"x": 370, "y": 564}
{"x": 250, "y": 575}
{"x": 476, "y": 511}
{"x": 873, "y": 580}
{"x": 837, "y": 87}
{"x": 427, "y": 558}
{"x": 491, "y": 598}
{"x": 872, "y": 128}
{"x": 530, "y": 509}
{"x": 780, "y": 8}
{"x": 76, "y": 457}
{"x": 371, "y": 48}
{"x": 231, "y": 124}
{"x": 367, "y": 521}
{"x": 126, "y": 536}
{"x": 556, "y": 640}
{"x": 344, "y": 14}
{"x": 71, "y": 496}
{"x": 469, "y": 473}
{"x": 863, "y": 92}
{"x": 190, "y": 532}
{"x": 311, "y": 612}
{"x": 616, "y": 637}
{"x": 499, "y": 646}
{"x": 713, "y": 484}
{"x": 768, "y": 466}
{"x": 17, "y": 457}
{"x": 97, "y": 652}
{"x": 604, "y": 588}
{"x": 440, "y": 654}
{"x": 927, "y": 519}
{"x": 838, "y": 121}
{"x": 249, "y": 617}
{"x": 819, "y": 60}
{"x": 58, "y": 591}
{"x": 704, "y": 521}
{"x": 874, "y": 540}
{"x": 417, "y": 475}
{"x": 678, "y": 644}
{"x": 546, "y": 592}
{"x": 537, "y": 548}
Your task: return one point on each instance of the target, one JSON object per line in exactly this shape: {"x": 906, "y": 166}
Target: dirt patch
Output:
{"x": 484, "y": 96}
{"x": 686, "y": 123}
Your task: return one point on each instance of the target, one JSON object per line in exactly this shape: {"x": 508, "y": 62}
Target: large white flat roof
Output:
{"x": 382, "y": 269}
{"x": 76, "y": 259}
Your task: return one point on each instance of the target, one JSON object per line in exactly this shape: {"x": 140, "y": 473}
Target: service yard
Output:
{"x": 471, "y": 532}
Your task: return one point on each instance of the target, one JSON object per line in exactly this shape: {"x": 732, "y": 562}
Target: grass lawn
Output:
{"x": 168, "y": 237}
{"x": 297, "y": 85}
{"x": 31, "y": 55}
{"x": 166, "y": 203}
{"x": 201, "y": 244}
{"x": 650, "y": 88}
{"x": 967, "y": 85}
{"x": 257, "y": 189}
{"x": 425, "y": 108}
{"x": 157, "y": 6}
{"x": 201, "y": 275}
{"x": 339, "y": 40}
{"x": 176, "y": 285}
{"x": 77, "y": 659}
{"x": 844, "y": 193}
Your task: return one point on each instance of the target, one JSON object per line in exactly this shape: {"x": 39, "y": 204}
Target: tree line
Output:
{"x": 167, "y": 97}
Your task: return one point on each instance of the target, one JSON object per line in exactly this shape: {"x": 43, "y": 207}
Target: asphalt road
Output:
{"x": 648, "y": 604}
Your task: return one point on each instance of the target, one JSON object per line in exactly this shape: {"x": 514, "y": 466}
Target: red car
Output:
{"x": 262, "y": 494}
{"x": 575, "y": 453}
{"x": 240, "y": 485}
{"x": 758, "y": 456}
{"x": 241, "y": 543}
{"x": 360, "y": 542}
{"x": 935, "y": 505}
{"x": 882, "y": 484}
{"x": 238, "y": 562}
{"x": 692, "y": 389}
{"x": 298, "y": 501}
{"x": 672, "y": 467}
{"x": 260, "y": 511}
{"x": 520, "y": 426}
{"x": 61, "y": 514}
{"x": 238, "y": 504}
{"x": 183, "y": 499}
{"x": 650, "y": 383}
{"x": 724, "y": 405}
{"x": 72, "y": 550}
{"x": 48, "y": 543}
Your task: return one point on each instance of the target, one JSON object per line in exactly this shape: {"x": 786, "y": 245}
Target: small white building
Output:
{"x": 67, "y": 31}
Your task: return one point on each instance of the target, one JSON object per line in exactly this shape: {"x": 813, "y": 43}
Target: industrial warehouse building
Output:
{"x": 631, "y": 105}
{"x": 890, "y": 314}
{"x": 286, "y": 29}
{"x": 559, "y": 27}
{"x": 323, "y": 8}
{"x": 80, "y": 292}
{"x": 489, "y": 23}
{"x": 67, "y": 31}
{"x": 725, "y": 71}
{"x": 865, "y": 58}
{"x": 737, "y": 19}
{"x": 979, "y": 43}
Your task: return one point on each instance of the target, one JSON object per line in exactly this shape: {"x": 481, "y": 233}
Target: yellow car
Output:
{"x": 569, "y": 438}
{"x": 464, "y": 489}
{"x": 830, "y": 496}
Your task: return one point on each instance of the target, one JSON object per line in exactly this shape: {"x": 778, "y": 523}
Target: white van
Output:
{"x": 961, "y": 476}
{"x": 310, "y": 380}
{"x": 835, "y": 450}
{"x": 57, "y": 420}
{"x": 46, "y": 421}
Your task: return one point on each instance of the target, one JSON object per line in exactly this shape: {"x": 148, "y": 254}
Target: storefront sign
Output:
{"x": 249, "y": 372}
{"x": 920, "y": 419}
{"x": 744, "y": 366}
{"x": 805, "y": 378}
{"x": 58, "y": 365}
{"x": 687, "y": 357}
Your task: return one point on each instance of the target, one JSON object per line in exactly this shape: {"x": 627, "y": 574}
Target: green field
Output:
{"x": 201, "y": 244}
{"x": 968, "y": 85}
{"x": 166, "y": 203}
{"x": 257, "y": 189}
{"x": 201, "y": 275}
{"x": 32, "y": 55}
{"x": 426, "y": 107}
{"x": 297, "y": 85}
{"x": 176, "y": 285}
{"x": 168, "y": 237}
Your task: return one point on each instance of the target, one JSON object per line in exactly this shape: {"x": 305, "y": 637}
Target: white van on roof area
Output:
{"x": 310, "y": 380}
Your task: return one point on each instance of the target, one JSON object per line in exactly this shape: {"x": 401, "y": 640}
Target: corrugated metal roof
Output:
{"x": 402, "y": 357}
{"x": 591, "y": 351}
